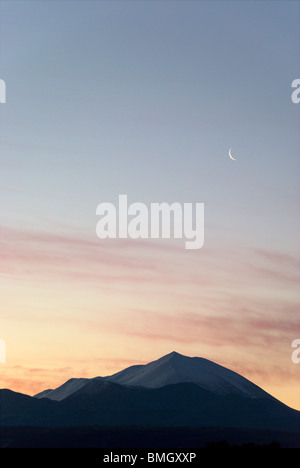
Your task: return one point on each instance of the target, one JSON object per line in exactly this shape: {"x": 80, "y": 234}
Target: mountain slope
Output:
{"x": 170, "y": 369}
{"x": 66, "y": 389}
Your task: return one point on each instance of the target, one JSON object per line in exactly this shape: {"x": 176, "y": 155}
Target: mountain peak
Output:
{"x": 175, "y": 355}
{"x": 171, "y": 355}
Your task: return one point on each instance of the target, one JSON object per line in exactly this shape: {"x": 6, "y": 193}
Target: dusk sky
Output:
{"x": 146, "y": 98}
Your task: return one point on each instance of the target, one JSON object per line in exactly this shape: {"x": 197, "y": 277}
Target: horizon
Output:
{"x": 187, "y": 102}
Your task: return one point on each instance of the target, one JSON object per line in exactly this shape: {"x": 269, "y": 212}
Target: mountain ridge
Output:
{"x": 169, "y": 369}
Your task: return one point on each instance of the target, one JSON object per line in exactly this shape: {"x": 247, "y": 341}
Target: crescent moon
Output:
{"x": 231, "y": 155}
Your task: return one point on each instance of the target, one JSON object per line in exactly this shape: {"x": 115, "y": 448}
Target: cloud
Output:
{"x": 52, "y": 255}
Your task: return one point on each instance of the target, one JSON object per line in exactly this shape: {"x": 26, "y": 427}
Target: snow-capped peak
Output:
{"x": 172, "y": 368}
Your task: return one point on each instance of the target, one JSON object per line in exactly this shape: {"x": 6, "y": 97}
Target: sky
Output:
{"x": 145, "y": 98}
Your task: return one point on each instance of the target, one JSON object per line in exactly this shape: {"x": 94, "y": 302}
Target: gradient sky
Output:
{"x": 145, "y": 98}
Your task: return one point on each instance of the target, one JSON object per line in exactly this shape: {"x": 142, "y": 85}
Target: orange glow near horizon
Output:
{"x": 73, "y": 309}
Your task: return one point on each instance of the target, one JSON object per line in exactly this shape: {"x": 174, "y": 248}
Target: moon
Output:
{"x": 230, "y": 155}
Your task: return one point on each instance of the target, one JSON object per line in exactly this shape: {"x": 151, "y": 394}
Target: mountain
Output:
{"x": 170, "y": 369}
{"x": 174, "y": 391}
{"x": 103, "y": 403}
